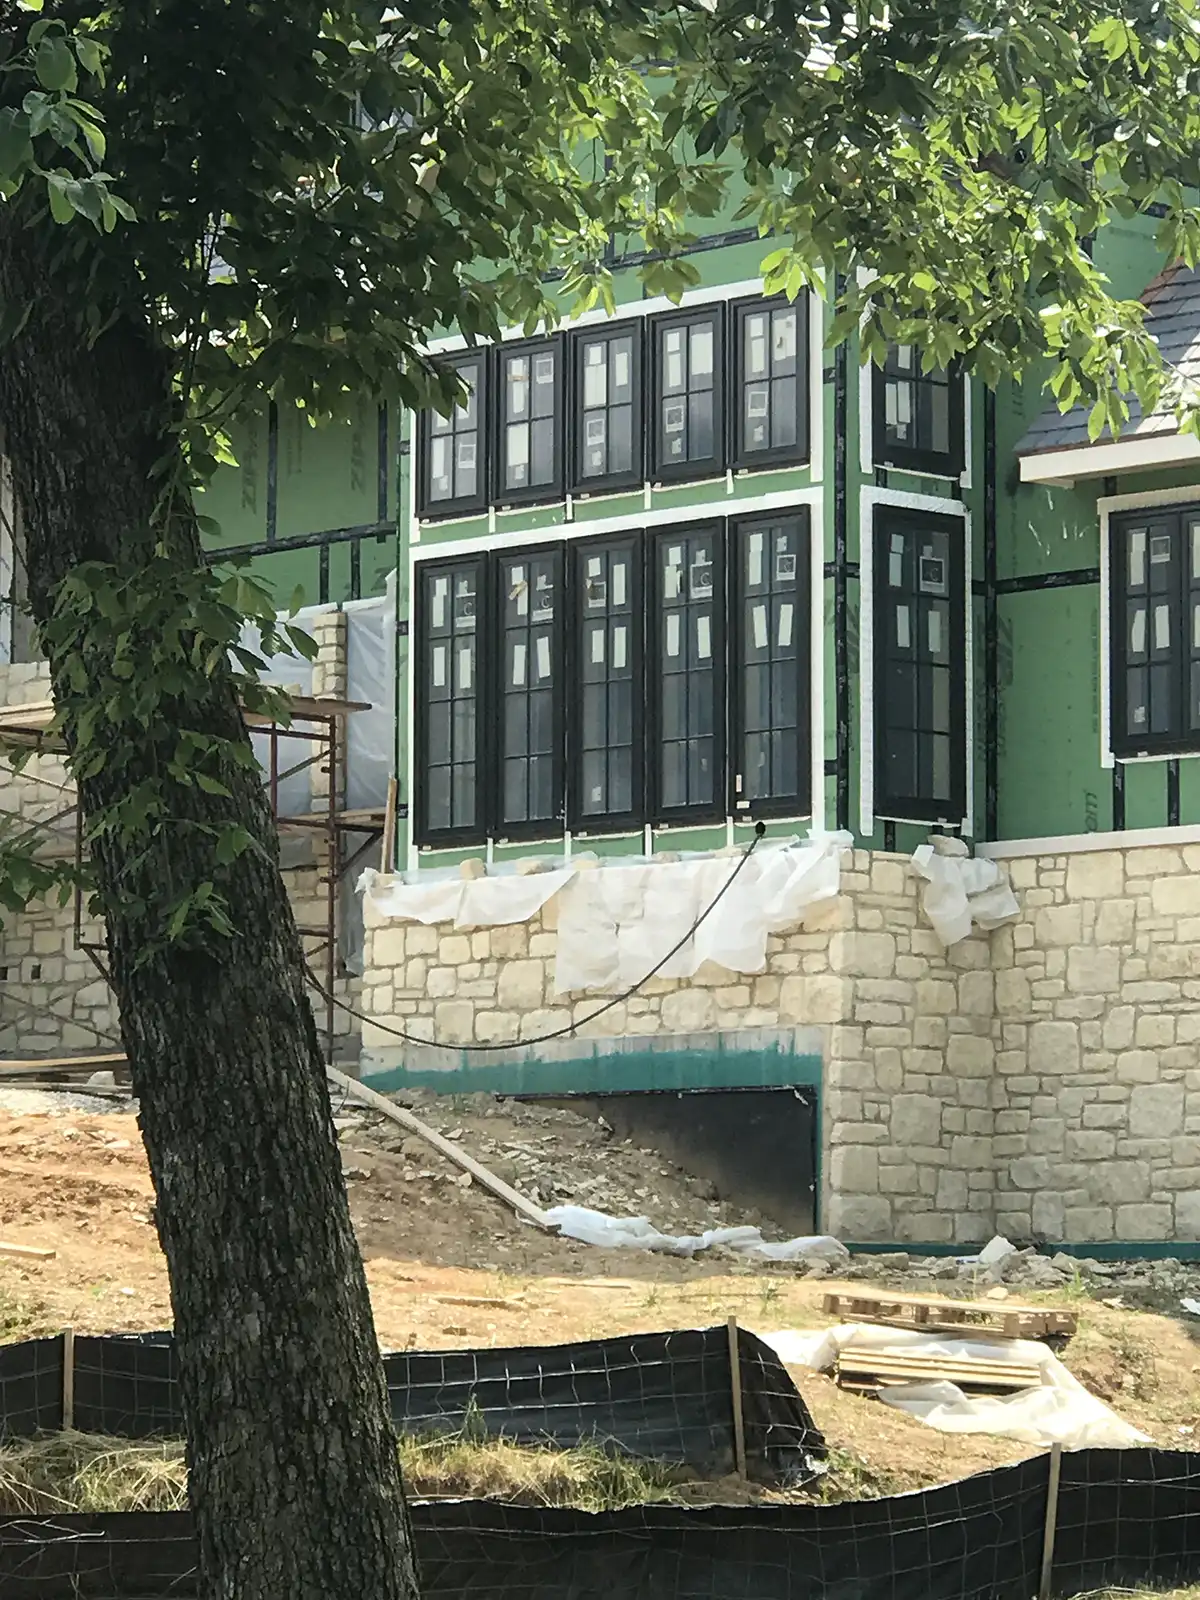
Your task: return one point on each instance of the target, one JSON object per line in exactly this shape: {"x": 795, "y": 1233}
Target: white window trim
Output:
{"x": 866, "y": 431}
{"x": 1145, "y": 500}
{"x": 708, "y": 294}
{"x": 813, "y": 497}
{"x": 869, "y": 499}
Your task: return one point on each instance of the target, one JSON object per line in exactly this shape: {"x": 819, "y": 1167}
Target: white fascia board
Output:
{"x": 1136, "y": 453}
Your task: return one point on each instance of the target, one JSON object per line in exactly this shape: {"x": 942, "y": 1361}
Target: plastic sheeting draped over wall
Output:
{"x": 613, "y": 925}
{"x": 961, "y": 890}
{"x": 293, "y": 672}
{"x": 615, "y": 922}
{"x": 371, "y": 677}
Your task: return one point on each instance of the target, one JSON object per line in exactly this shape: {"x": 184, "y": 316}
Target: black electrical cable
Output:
{"x": 567, "y": 1028}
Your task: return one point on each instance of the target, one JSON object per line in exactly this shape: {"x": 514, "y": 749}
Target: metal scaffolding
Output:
{"x": 318, "y": 722}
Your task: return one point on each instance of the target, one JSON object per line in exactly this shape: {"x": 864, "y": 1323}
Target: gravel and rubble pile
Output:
{"x": 1139, "y": 1284}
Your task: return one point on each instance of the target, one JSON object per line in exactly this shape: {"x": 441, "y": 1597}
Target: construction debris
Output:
{"x": 1053, "y": 1408}
{"x": 869, "y": 1370}
{"x": 933, "y": 1314}
{"x": 637, "y": 1233}
{"x": 524, "y": 1208}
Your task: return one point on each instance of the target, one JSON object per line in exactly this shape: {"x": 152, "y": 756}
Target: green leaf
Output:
{"x": 61, "y": 208}
{"x": 54, "y": 64}
{"x": 210, "y": 785}
{"x": 16, "y": 149}
{"x": 90, "y": 57}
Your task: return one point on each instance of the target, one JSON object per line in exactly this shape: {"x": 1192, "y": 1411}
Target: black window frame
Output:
{"x": 632, "y": 328}
{"x": 1183, "y": 655}
{"x": 658, "y": 812}
{"x": 914, "y": 808}
{"x": 776, "y": 455}
{"x": 710, "y": 466}
{"x": 583, "y": 823}
{"x": 499, "y": 828}
{"x": 429, "y": 510}
{"x": 423, "y": 833}
{"x": 799, "y": 804}
{"x": 920, "y": 459}
{"x": 534, "y": 494}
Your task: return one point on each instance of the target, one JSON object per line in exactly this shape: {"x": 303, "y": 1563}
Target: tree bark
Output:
{"x": 294, "y": 1476}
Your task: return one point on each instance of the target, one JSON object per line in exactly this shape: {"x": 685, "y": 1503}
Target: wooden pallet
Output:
{"x": 870, "y": 1370}
{"x": 997, "y": 1317}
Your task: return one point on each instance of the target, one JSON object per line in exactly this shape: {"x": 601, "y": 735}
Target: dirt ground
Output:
{"x": 77, "y": 1182}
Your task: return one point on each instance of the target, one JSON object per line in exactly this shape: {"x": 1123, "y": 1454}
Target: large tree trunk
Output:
{"x": 293, "y": 1469}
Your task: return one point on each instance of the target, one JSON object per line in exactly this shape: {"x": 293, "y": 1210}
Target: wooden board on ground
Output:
{"x": 64, "y": 1064}
{"x": 27, "y": 1252}
{"x": 935, "y": 1315}
{"x": 875, "y": 1369}
{"x": 405, "y": 1119}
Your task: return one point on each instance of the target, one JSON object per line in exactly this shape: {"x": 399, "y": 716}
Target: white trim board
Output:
{"x": 707, "y": 294}
{"x": 629, "y": 522}
{"x": 1134, "y": 453}
{"x": 1074, "y": 844}
{"x": 869, "y": 498}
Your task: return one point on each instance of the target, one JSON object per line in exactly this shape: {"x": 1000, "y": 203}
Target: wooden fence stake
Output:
{"x": 68, "y": 1390}
{"x": 735, "y": 1384}
{"x": 1051, "y": 1524}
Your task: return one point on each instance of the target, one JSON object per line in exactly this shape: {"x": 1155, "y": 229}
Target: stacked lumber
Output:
{"x": 868, "y": 1371}
{"x": 933, "y": 1314}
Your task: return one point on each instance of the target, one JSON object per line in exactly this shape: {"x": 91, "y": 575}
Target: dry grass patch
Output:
{"x": 81, "y": 1472}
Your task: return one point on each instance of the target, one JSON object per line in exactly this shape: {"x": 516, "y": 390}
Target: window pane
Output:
{"x": 920, "y": 653}
{"x": 686, "y": 568}
{"x": 687, "y": 422}
{"x": 772, "y": 586}
{"x": 921, "y": 411}
{"x": 531, "y": 602}
{"x": 447, "y": 652}
{"x": 605, "y": 602}
{"x": 605, "y": 395}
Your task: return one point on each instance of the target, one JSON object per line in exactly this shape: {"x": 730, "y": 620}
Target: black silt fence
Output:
{"x": 660, "y": 1396}
{"x": 1124, "y": 1518}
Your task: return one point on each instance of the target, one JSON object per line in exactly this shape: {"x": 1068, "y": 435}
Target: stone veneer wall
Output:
{"x": 1043, "y": 1079}
{"x": 52, "y": 996}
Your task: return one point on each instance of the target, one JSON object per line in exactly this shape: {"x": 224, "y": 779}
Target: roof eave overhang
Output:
{"x": 1113, "y": 458}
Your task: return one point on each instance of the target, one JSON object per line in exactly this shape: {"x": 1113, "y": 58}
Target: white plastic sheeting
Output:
{"x": 371, "y": 677}
{"x": 638, "y": 1233}
{"x": 466, "y": 902}
{"x": 615, "y": 923}
{"x": 962, "y": 890}
{"x": 296, "y": 673}
{"x": 1059, "y": 1411}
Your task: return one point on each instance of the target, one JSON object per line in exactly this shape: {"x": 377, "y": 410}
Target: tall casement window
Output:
{"x": 453, "y": 449}
{"x": 770, "y": 353}
{"x": 530, "y": 391}
{"x": 688, "y": 676}
{"x": 770, "y": 759}
{"x": 448, "y": 724}
{"x": 606, "y": 450}
{"x": 597, "y": 684}
{"x": 1155, "y": 630}
{"x": 688, "y": 424}
{"x": 530, "y": 723}
{"x": 920, "y": 667}
{"x": 919, "y": 418}
{"x": 606, "y": 721}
